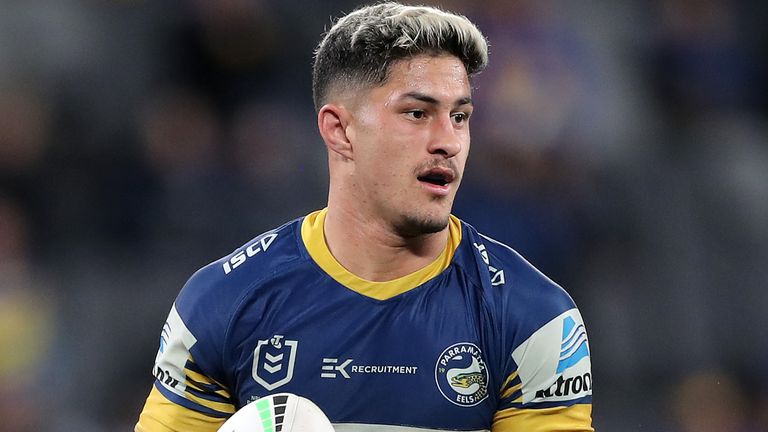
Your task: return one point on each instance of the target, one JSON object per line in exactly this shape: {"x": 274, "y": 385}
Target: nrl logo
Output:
{"x": 273, "y": 361}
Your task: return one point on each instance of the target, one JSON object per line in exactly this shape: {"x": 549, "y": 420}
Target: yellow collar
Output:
{"x": 313, "y": 235}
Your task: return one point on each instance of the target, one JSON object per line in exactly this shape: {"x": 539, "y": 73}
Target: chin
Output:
{"x": 414, "y": 226}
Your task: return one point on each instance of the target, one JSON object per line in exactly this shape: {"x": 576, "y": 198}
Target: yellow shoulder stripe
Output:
{"x": 507, "y": 391}
{"x": 198, "y": 377}
{"x": 161, "y": 415}
{"x": 509, "y": 379}
{"x": 222, "y": 407}
{"x": 511, "y": 390}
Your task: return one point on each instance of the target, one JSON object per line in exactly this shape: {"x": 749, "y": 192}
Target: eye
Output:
{"x": 416, "y": 114}
{"x": 460, "y": 117}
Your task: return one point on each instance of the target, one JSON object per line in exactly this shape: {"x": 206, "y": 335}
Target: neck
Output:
{"x": 370, "y": 248}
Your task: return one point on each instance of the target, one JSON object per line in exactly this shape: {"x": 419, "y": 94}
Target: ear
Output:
{"x": 332, "y": 121}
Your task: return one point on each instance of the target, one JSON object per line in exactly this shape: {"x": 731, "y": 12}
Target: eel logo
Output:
{"x": 273, "y": 361}
{"x": 461, "y": 374}
{"x": 467, "y": 379}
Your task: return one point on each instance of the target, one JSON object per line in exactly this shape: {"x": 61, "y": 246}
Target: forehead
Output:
{"x": 440, "y": 76}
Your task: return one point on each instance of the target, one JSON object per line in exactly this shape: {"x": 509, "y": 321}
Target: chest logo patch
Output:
{"x": 461, "y": 374}
{"x": 273, "y": 361}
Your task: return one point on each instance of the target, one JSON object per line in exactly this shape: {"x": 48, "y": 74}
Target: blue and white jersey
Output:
{"x": 479, "y": 340}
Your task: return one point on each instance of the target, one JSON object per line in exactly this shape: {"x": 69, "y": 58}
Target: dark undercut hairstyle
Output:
{"x": 359, "y": 49}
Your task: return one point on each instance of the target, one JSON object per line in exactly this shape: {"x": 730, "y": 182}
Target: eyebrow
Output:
{"x": 467, "y": 100}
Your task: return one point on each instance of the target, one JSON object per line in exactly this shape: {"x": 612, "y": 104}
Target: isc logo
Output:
{"x": 252, "y": 249}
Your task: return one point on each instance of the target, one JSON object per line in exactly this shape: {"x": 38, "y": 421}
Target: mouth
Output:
{"x": 437, "y": 176}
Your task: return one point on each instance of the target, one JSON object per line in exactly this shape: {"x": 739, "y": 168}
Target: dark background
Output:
{"x": 621, "y": 146}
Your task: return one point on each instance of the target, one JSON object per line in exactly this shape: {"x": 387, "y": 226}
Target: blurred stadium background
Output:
{"x": 622, "y": 146}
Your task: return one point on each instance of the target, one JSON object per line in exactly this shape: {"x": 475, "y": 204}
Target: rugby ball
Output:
{"x": 281, "y": 412}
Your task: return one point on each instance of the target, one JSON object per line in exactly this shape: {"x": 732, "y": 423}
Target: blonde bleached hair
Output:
{"x": 359, "y": 49}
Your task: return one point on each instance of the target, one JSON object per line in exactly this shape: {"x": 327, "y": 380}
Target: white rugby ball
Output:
{"x": 281, "y": 412}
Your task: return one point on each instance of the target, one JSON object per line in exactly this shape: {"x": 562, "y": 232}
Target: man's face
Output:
{"x": 410, "y": 139}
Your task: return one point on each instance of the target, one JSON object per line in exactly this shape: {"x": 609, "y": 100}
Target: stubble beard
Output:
{"x": 411, "y": 226}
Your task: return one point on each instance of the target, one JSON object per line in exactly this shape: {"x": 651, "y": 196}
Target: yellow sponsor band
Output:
{"x": 161, "y": 415}
{"x": 575, "y": 418}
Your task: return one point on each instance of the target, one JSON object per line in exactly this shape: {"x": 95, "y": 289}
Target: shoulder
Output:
{"x": 219, "y": 286}
{"x": 204, "y": 310}
{"x": 540, "y": 328}
{"x": 522, "y": 296}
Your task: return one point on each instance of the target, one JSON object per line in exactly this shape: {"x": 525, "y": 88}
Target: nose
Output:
{"x": 446, "y": 139}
